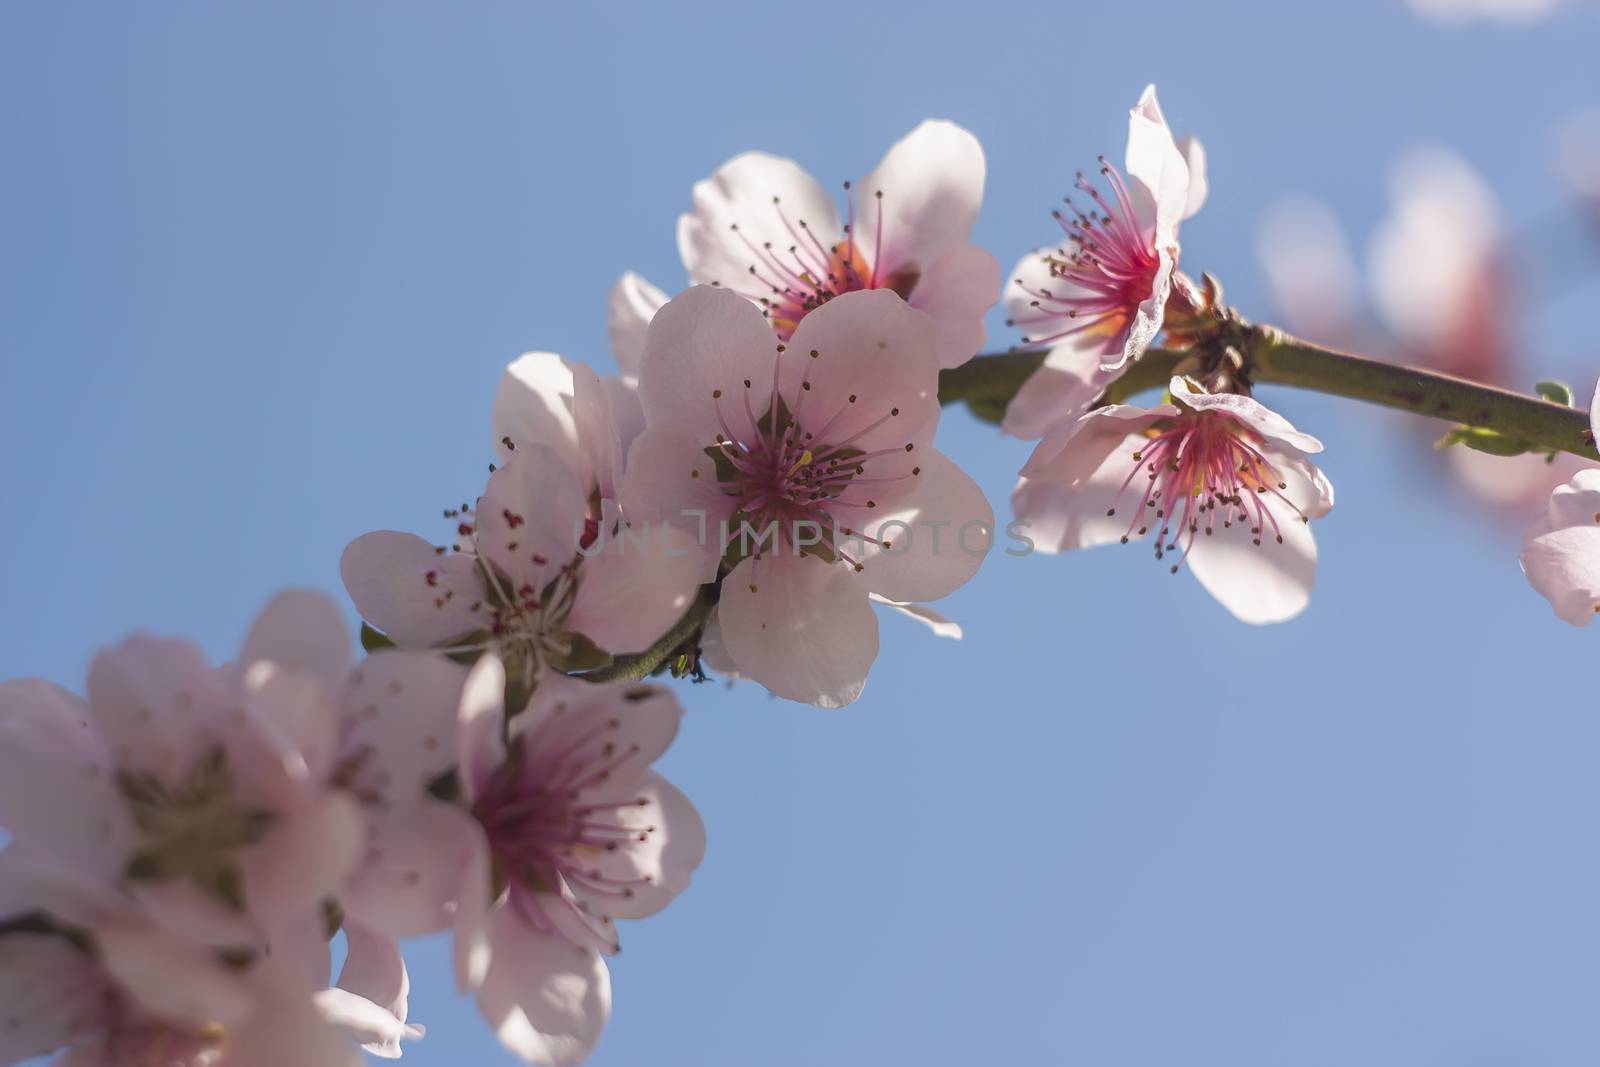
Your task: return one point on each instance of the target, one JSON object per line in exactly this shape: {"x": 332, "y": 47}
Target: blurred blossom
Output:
{"x": 1311, "y": 271}
{"x": 1438, "y": 276}
{"x": 1459, "y": 11}
{"x": 1577, "y": 157}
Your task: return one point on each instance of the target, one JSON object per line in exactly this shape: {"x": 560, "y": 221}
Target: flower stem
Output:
{"x": 988, "y": 382}
{"x": 644, "y": 664}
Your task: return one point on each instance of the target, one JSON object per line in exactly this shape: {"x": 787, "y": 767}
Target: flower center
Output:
{"x": 548, "y": 841}
{"x": 790, "y": 482}
{"x": 1201, "y": 469}
{"x": 192, "y": 829}
{"x": 528, "y": 626}
{"x": 1107, "y": 266}
{"x": 790, "y": 281}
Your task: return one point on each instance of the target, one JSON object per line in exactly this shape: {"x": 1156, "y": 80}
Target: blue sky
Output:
{"x": 260, "y": 268}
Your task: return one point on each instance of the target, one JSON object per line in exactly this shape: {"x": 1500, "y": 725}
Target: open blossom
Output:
{"x": 762, "y": 227}
{"x": 1561, "y": 549}
{"x": 1225, "y": 486}
{"x": 83, "y": 972}
{"x": 204, "y": 793}
{"x": 1099, "y": 298}
{"x": 561, "y": 828}
{"x": 811, "y": 464}
{"x": 545, "y": 566}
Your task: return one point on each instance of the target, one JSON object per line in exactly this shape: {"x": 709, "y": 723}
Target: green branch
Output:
{"x": 987, "y": 383}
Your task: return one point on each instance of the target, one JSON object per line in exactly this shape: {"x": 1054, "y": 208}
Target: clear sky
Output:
{"x": 261, "y": 266}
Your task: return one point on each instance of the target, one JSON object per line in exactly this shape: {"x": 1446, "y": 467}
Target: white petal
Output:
{"x": 631, "y": 306}
{"x": 1561, "y": 549}
{"x": 291, "y": 1029}
{"x": 941, "y": 625}
{"x": 374, "y": 1027}
{"x": 1247, "y": 410}
{"x": 956, "y": 291}
{"x": 374, "y": 970}
{"x": 1194, "y": 154}
{"x": 932, "y": 185}
{"x": 480, "y": 725}
{"x": 800, "y": 627}
{"x": 406, "y": 588}
{"x": 752, "y": 200}
{"x": 546, "y": 999}
{"x": 1259, "y": 584}
{"x": 561, "y": 404}
{"x": 1154, "y": 161}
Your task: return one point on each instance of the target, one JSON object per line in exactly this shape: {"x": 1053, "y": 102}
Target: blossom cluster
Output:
{"x": 186, "y": 839}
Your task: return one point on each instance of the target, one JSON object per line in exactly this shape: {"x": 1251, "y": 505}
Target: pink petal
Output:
{"x": 404, "y": 587}
{"x": 932, "y": 185}
{"x": 956, "y": 291}
{"x": 706, "y": 341}
{"x": 531, "y": 517}
{"x": 631, "y": 306}
{"x": 870, "y": 345}
{"x": 673, "y": 846}
{"x": 1070, "y": 379}
{"x": 800, "y": 627}
{"x": 1561, "y": 549}
{"x": 397, "y": 718}
{"x": 636, "y": 585}
{"x": 301, "y": 631}
{"x": 939, "y": 534}
{"x": 57, "y": 786}
{"x": 170, "y": 978}
{"x": 51, "y": 995}
{"x": 756, "y": 193}
{"x": 413, "y": 870}
{"x": 304, "y": 861}
{"x": 547, "y": 999}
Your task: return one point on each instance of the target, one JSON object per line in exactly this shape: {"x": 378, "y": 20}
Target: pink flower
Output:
{"x": 203, "y": 793}
{"x": 561, "y": 828}
{"x": 1099, "y": 299}
{"x": 1561, "y": 550}
{"x": 811, "y": 464}
{"x": 545, "y": 567}
{"x": 762, "y": 227}
{"x": 82, "y": 970}
{"x": 1225, "y": 485}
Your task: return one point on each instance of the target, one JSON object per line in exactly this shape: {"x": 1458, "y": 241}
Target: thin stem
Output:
{"x": 987, "y": 383}
{"x": 644, "y": 664}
